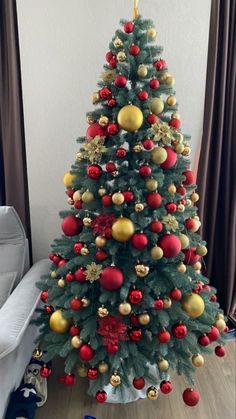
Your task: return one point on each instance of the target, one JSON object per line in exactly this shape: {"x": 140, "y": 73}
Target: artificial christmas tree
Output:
{"x": 126, "y": 300}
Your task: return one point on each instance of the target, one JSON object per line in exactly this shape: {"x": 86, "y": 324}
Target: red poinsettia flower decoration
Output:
{"x": 102, "y": 225}
{"x": 112, "y": 329}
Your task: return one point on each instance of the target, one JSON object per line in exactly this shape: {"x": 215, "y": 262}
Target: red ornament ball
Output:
{"x": 138, "y": 383}
{"x": 135, "y": 335}
{"x": 190, "y": 177}
{"x": 86, "y": 353}
{"x": 111, "y": 278}
{"x": 220, "y": 351}
{"x": 56, "y": 259}
{"x": 154, "y": 200}
{"x": 191, "y": 224}
{"x": 128, "y": 195}
{"x": 191, "y": 256}
{"x": 142, "y": 95}
{"x": 45, "y": 372}
{"x": 69, "y": 379}
{"x": 171, "y": 207}
{"x": 134, "y": 50}
{"x": 128, "y": 27}
{"x": 145, "y": 170}
{"x": 170, "y": 160}
{"x": 156, "y": 227}
{"x": 109, "y": 56}
{"x": 106, "y": 200}
{"x": 101, "y": 255}
{"x": 154, "y": 83}
{"x": 76, "y": 304}
{"x": 166, "y": 387}
{"x": 71, "y": 225}
{"x": 111, "y": 102}
{"x": 134, "y": 320}
{"x": 175, "y": 294}
{"x": 148, "y": 144}
{"x": 110, "y": 167}
{"x": 113, "y": 62}
{"x": 181, "y": 190}
{"x": 179, "y": 331}
{"x": 80, "y": 275}
{"x": 48, "y": 309}
{"x": 92, "y": 373}
{"x": 44, "y": 296}
{"x": 62, "y": 263}
{"x": 112, "y": 348}
{"x": 105, "y": 93}
{"x": 170, "y": 245}
{"x": 214, "y": 298}
{"x": 101, "y": 396}
{"x": 203, "y": 340}
{"x": 77, "y": 247}
{"x": 70, "y": 277}
{"x": 121, "y": 152}
{"x": 74, "y": 330}
{"x": 94, "y": 171}
{"x": 159, "y": 64}
{"x": 135, "y": 296}
{"x": 152, "y": 119}
{"x": 120, "y": 81}
{"x": 191, "y": 397}
{"x": 214, "y": 334}
{"x": 163, "y": 336}
{"x": 159, "y": 304}
{"x": 94, "y": 130}
{"x": 78, "y": 204}
{"x": 139, "y": 241}
{"x": 175, "y": 123}
{"x": 51, "y": 256}
{"x": 113, "y": 129}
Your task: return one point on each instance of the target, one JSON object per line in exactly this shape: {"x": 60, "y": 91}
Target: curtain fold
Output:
{"x": 217, "y": 162}
{"x": 13, "y": 169}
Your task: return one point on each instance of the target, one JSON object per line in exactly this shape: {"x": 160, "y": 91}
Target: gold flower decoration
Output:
{"x": 108, "y": 76}
{"x": 170, "y": 222}
{"x": 93, "y": 272}
{"x": 94, "y": 149}
{"x": 162, "y": 132}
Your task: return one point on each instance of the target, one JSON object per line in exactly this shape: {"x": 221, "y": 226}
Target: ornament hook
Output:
{"x": 135, "y": 11}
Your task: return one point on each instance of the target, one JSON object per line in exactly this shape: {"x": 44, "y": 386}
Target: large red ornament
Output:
{"x": 111, "y": 278}
{"x": 175, "y": 123}
{"x": 77, "y": 247}
{"x": 105, "y": 93}
{"x": 45, "y": 371}
{"x": 92, "y": 373}
{"x": 128, "y": 27}
{"x": 191, "y": 397}
{"x": 163, "y": 336}
{"x": 142, "y": 95}
{"x": 96, "y": 129}
{"x": 109, "y": 56}
{"x": 179, "y": 331}
{"x": 120, "y": 81}
{"x": 214, "y": 334}
{"x": 159, "y": 304}
{"x": 80, "y": 275}
{"x": 135, "y": 296}
{"x": 76, "y": 304}
{"x": 128, "y": 195}
{"x": 139, "y": 383}
{"x": 220, "y": 351}
{"x": 139, "y": 241}
{"x": 74, "y": 330}
{"x": 154, "y": 83}
{"x": 145, "y": 170}
{"x": 134, "y": 50}
{"x": 135, "y": 335}
{"x": 154, "y": 200}
{"x": 175, "y": 294}
{"x": 94, "y": 171}
{"x": 190, "y": 177}
{"x": 166, "y": 387}
{"x": 106, "y": 200}
{"x": 121, "y": 152}
{"x": 203, "y": 340}
{"x": 71, "y": 225}
{"x": 148, "y": 144}
{"x": 113, "y": 129}
{"x": 101, "y": 255}
{"x": 44, "y": 296}
{"x": 191, "y": 256}
{"x": 170, "y": 160}
{"x": 86, "y": 353}
{"x": 156, "y": 227}
{"x": 170, "y": 245}
{"x": 69, "y": 379}
{"x": 152, "y": 119}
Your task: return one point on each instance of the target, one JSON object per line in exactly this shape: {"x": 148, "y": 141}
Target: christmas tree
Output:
{"x": 126, "y": 289}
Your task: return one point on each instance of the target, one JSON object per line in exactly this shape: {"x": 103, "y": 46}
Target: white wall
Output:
{"x": 62, "y": 46}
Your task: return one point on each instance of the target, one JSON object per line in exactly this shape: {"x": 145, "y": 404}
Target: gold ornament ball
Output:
{"x": 163, "y": 76}
{"x": 175, "y": 115}
{"x": 37, "y": 353}
{"x": 170, "y": 81}
{"x": 197, "y": 266}
{"x": 82, "y": 371}
{"x": 68, "y": 179}
{"x": 84, "y": 251}
{"x": 220, "y": 324}
{"x": 194, "y": 197}
{"x": 179, "y": 148}
{"x": 142, "y": 70}
{"x": 87, "y": 197}
{"x": 115, "y": 380}
{"x": 156, "y": 253}
{"x": 85, "y": 301}
{"x": 152, "y": 393}
{"x": 151, "y": 185}
{"x": 152, "y": 33}
{"x": 139, "y": 207}
{"x": 181, "y": 208}
{"x": 171, "y": 188}
{"x": 90, "y": 119}
{"x": 100, "y": 241}
{"x": 181, "y": 268}
{"x": 193, "y": 304}
{"x": 103, "y": 121}
{"x": 220, "y": 316}
{"x": 137, "y": 148}
{"x": 158, "y": 155}
{"x": 95, "y": 98}
{"x": 167, "y": 302}
{"x": 171, "y": 101}
{"x": 184, "y": 240}
{"x": 121, "y": 56}
{"x": 157, "y": 105}
{"x": 130, "y": 118}
{"x": 124, "y": 308}
{"x": 187, "y": 151}
{"x": 188, "y": 202}
{"x": 144, "y": 319}
{"x": 103, "y": 312}
{"x": 102, "y": 191}
{"x": 103, "y": 367}
{"x": 53, "y": 274}
{"x": 76, "y": 342}
{"x": 87, "y": 221}
{"x": 61, "y": 283}
{"x": 57, "y": 322}
{"x": 141, "y": 270}
{"x": 201, "y": 250}
{"x": 198, "y": 360}
{"x": 77, "y": 196}
{"x": 118, "y": 198}
{"x": 122, "y": 229}
{"x": 163, "y": 365}
{"x": 117, "y": 42}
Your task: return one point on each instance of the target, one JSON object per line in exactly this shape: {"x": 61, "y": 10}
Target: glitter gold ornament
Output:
{"x": 171, "y": 188}
{"x": 156, "y": 253}
{"x": 102, "y": 191}
{"x": 152, "y": 393}
{"x": 115, "y": 379}
{"x": 151, "y": 185}
{"x": 82, "y": 371}
{"x": 152, "y": 33}
{"x": 139, "y": 207}
{"x": 141, "y": 270}
{"x": 103, "y": 121}
{"x": 121, "y": 56}
{"x": 144, "y": 319}
{"x": 103, "y": 312}
{"x": 117, "y": 42}
{"x": 220, "y": 324}
{"x": 198, "y": 360}
{"x": 37, "y": 353}
{"x": 181, "y": 268}
{"x": 194, "y": 197}
{"x": 87, "y": 197}
{"x": 103, "y": 367}
{"x": 171, "y": 101}
{"x": 186, "y": 151}
{"x": 95, "y": 98}
{"x": 93, "y": 272}
{"x": 58, "y": 323}
{"x": 90, "y": 119}
{"x": 125, "y": 308}
{"x": 77, "y": 196}
{"x": 76, "y": 342}
{"x": 142, "y": 70}
{"x": 87, "y": 221}
{"x": 108, "y": 76}
{"x": 137, "y": 148}
{"x": 163, "y": 365}
{"x": 167, "y": 302}
{"x": 184, "y": 240}
{"x": 193, "y": 304}
{"x": 158, "y": 155}
{"x": 61, "y": 283}
{"x": 100, "y": 241}
{"x": 130, "y": 118}
{"x": 201, "y": 250}
{"x": 122, "y": 229}
{"x": 118, "y": 198}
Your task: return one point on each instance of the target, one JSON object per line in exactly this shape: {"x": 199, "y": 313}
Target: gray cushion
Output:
{"x": 7, "y": 280}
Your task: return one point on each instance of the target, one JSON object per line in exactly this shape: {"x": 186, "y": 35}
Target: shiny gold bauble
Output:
{"x": 121, "y": 56}
{"x": 151, "y": 185}
{"x": 171, "y": 188}
{"x": 220, "y": 316}
{"x": 152, "y": 33}
{"x": 37, "y": 353}
{"x": 117, "y": 42}
{"x": 100, "y": 241}
{"x": 141, "y": 270}
{"x": 187, "y": 151}
{"x": 103, "y": 367}
{"x": 139, "y": 207}
{"x": 82, "y": 371}
{"x": 171, "y": 101}
{"x": 130, "y": 118}
{"x": 157, "y": 105}
{"x": 77, "y": 196}
{"x": 103, "y": 121}
{"x": 181, "y": 268}
{"x": 57, "y": 322}
{"x": 142, "y": 70}
{"x": 193, "y": 304}
{"x": 103, "y": 312}
{"x": 163, "y": 365}
{"x": 144, "y": 319}
{"x": 90, "y": 119}
{"x": 152, "y": 393}
{"x": 68, "y": 179}
{"x": 102, "y": 191}
{"x": 194, "y": 197}
{"x": 167, "y": 302}
{"x": 115, "y": 380}
{"x": 158, "y": 155}
{"x": 85, "y": 301}
{"x": 87, "y": 197}
{"x": 87, "y": 221}
{"x": 201, "y": 250}
{"x": 61, "y": 283}
{"x": 76, "y": 342}
{"x": 137, "y": 148}
{"x": 220, "y": 324}
{"x": 122, "y": 229}
{"x": 125, "y": 308}
{"x": 156, "y": 253}
{"x": 53, "y": 274}
{"x": 163, "y": 76}
{"x": 179, "y": 148}
{"x": 84, "y": 251}
{"x": 95, "y": 98}
{"x": 118, "y": 198}
{"x": 180, "y": 208}
{"x": 197, "y": 266}
{"x": 170, "y": 81}
{"x": 184, "y": 240}
{"x": 198, "y": 360}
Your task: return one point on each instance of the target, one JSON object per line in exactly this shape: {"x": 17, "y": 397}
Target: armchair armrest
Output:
{"x": 16, "y": 313}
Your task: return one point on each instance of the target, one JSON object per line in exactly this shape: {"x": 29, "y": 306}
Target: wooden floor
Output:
{"x": 215, "y": 382}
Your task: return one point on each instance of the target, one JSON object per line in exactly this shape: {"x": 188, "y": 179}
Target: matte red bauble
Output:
{"x": 56, "y": 259}
{"x": 166, "y": 387}
{"x": 170, "y": 245}
{"x": 128, "y": 27}
{"x": 134, "y": 320}
{"x": 106, "y": 200}
{"x": 112, "y": 348}
{"x": 171, "y": 207}
{"x": 110, "y": 167}
{"x": 148, "y": 144}
{"x": 163, "y": 336}
{"x": 154, "y": 83}
{"x": 71, "y": 225}
{"x": 220, "y": 351}
{"x": 111, "y": 278}
{"x": 213, "y": 298}
{"x": 145, "y": 170}
{"x": 77, "y": 247}
{"x": 159, "y": 304}
{"x": 191, "y": 256}
{"x": 44, "y": 296}
{"x": 113, "y": 62}
{"x": 181, "y": 190}
{"x": 214, "y": 334}
{"x": 154, "y": 200}
{"x": 94, "y": 171}
{"x": 203, "y": 340}
{"x": 179, "y": 331}
{"x": 175, "y": 294}
{"x": 86, "y": 353}
{"x": 120, "y": 81}
{"x": 142, "y": 95}
{"x": 48, "y": 309}
{"x": 138, "y": 383}
{"x": 96, "y": 129}
{"x": 152, "y": 119}
{"x": 190, "y": 177}
{"x": 101, "y": 396}
{"x": 62, "y": 263}
{"x": 170, "y": 160}
{"x": 134, "y": 50}
{"x": 70, "y": 277}
{"x": 128, "y": 195}
{"x": 109, "y": 56}
{"x": 76, "y": 304}
{"x": 45, "y": 372}
{"x": 155, "y": 227}
{"x": 159, "y": 64}
{"x": 206, "y": 287}
{"x": 175, "y": 123}
{"x": 69, "y": 379}
{"x": 105, "y": 93}
{"x": 74, "y": 330}
{"x": 135, "y": 296}
{"x": 92, "y": 373}
{"x": 135, "y": 335}
{"x": 111, "y": 102}
{"x": 113, "y": 129}
{"x": 191, "y": 397}
{"x": 139, "y": 241}
{"x": 121, "y": 152}
{"x": 80, "y": 275}
{"x": 101, "y": 255}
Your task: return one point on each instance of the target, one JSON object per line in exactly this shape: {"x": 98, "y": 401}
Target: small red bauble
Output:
{"x": 135, "y": 296}
{"x": 203, "y": 340}
{"x": 112, "y": 348}
{"x": 154, "y": 200}
{"x": 94, "y": 171}
{"x": 155, "y": 227}
{"x": 77, "y": 247}
{"x": 70, "y": 193}
{"x": 56, "y": 259}
{"x": 62, "y": 263}
{"x": 135, "y": 335}
{"x": 86, "y": 353}
{"x": 142, "y": 95}
{"x": 171, "y": 207}
{"x": 110, "y": 167}
{"x": 226, "y": 329}
{"x": 121, "y": 152}
{"x": 138, "y": 383}
{"x": 191, "y": 256}
{"x": 76, "y": 304}
{"x": 179, "y": 331}
{"x": 163, "y": 336}
{"x": 213, "y": 298}
{"x": 113, "y": 62}
{"x": 206, "y": 287}
{"x": 48, "y": 309}
{"x": 134, "y": 50}
{"x": 70, "y": 277}
{"x": 106, "y": 200}
{"x": 69, "y": 379}
{"x": 220, "y": 351}
{"x": 134, "y": 320}
{"x": 170, "y": 160}
{"x": 170, "y": 245}
{"x": 111, "y": 102}
{"x": 181, "y": 190}
{"x": 128, "y": 195}
{"x": 51, "y": 256}
{"x": 101, "y": 396}
{"x": 120, "y": 81}
{"x": 166, "y": 387}
{"x": 71, "y": 225}
{"x": 154, "y": 83}
{"x": 159, "y": 64}
{"x": 190, "y": 177}
{"x": 101, "y": 255}
{"x": 139, "y": 241}
{"x": 78, "y": 204}
{"x": 92, "y": 373}
{"x": 109, "y": 56}
{"x": 214, "y": 334}
{"x": 159, "y": 304}
{"x": 111, "y": 278}
{"x": 175, "y": 123}
{"x": 74, "y": 330}
{"x": 80, "y": 275}
{"x": 152, "y": 119}
{"x": 175, "y": 294}
{"x": 128, "y": 27}
{"x": 96, "y": 129}
{"x": 113, "y": 129}
{"x": 191, "y": 397}
{"x": 44, "y": 296}
{"x": 105, "y": 93}
{"x": 145, "y": 170}
{"x": 148, "y": 144}
{"x": 45, "y": 372}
